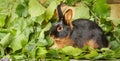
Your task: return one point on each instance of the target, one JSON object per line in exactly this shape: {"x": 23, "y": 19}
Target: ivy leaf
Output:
{"x": 41, "y": 52}
{"x": 42, "y": 42}
{"x": 89, "y": 1}
{"x": 92, "y": 54}
{"x": 71, "y": 2}
{"x": 116, "y": 32}
{"x": 50, "y": 10}
{"x": 52, "y": 53}
{"x": 1, "y": 50}
{"x": 69, "y": 50}
{"x": 108, "y": 53}
{"x": 117, "y": 52}
{"x": 19, "y": 57}
{"x": 5, "y": 41}
{"x": 30, "y": 49}
{"x": 81, "y": 12}
{"x": 35, "y": 8}
{"x": 22, "y": 10}
{"x": 2, "y": 20}
{"x": 18, "y": 42}
{"x": 101, "y": 8}
{"x": 49, "y": 41}
{"x": 47, "y": 27}
{"x": 114, "y": 44}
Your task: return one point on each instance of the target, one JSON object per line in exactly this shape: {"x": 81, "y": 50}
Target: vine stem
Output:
{"x": 91, "y": 11}
{"x": 117, "y": 39}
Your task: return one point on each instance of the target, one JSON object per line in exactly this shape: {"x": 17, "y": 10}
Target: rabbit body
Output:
{"x": 78, "y": 33}
{"x": 89, "y": 33}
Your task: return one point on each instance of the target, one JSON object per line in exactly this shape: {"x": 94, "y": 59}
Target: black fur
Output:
{"x": 61, "y": 34}
{"x": 85, "y": 30}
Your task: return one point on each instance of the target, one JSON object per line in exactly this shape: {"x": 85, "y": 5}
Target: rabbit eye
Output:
{"x": 59, "y": 28}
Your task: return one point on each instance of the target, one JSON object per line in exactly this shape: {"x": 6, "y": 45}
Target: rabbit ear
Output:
{"x": 68, "y": 17}
{"x": 59, "y": 11}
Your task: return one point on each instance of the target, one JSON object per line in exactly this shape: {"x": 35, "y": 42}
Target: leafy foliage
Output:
{"x": 24, "y": 26}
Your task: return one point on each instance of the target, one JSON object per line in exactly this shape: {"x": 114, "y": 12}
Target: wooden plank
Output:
{"x": 95, "y": 60}
{"x": 113, "y": 1}
{"x": 115, "y": 11}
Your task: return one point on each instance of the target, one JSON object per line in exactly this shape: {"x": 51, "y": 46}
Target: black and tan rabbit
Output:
{"x": 78, "y": 33}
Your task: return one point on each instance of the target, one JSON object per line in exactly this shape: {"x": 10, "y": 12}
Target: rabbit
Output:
{"x": 76, "y": 33}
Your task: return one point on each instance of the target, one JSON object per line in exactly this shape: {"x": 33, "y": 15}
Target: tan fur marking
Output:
{"x": 92, "y": 43}
{"x": 60, "y": 43}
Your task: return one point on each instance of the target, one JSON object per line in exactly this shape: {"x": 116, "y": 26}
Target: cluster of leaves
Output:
{"x": 87, "y": 52}
{"x": 24, "y": 26}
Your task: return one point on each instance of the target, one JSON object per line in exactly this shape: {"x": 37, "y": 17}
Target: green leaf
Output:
{"x": 81, "y": 12}
{"x": 52, "y": 53}
{"x": 49, "y": 41}
{"x": 7, "y": 56}
{"x": 108, "y": 53}
{"x": 42, "y": 35}
{"x": 30, "y": 49}
{"x": 101, "y": 8}
{"x": 41, "y": 52}
{"x": 114, "y": 44}
{"x": 50, "y": 10}
{"x": 21, "y": 24}
{"x": 89, "y": 1}
{"x": 22, "y": 10}
{"x": 42, "y": 42}
{"x": 35, "y": 8}
{"x": 116, "y": 33}
{"x": 4, "y": 6}
{"x": 19, "y": 41}
{"x": 117, "y": 52}
{"x": 40, "y": 19}
{"x": 19, "y": 57}
{"x": 69, "y": 50}
{"x": 47, "y": 27}
{"x": 2, "y": 20}
{"x": 5, "y": 40}
{"x": 92, "y": 54}
{"x": 1, "y": 51}
{"x": 71, "y": 2}
{"x": 106, "y": 26}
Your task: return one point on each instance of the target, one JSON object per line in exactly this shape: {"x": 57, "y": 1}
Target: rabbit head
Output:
{"x": 62, "y": 29}
{"x": 64, "y": 26}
